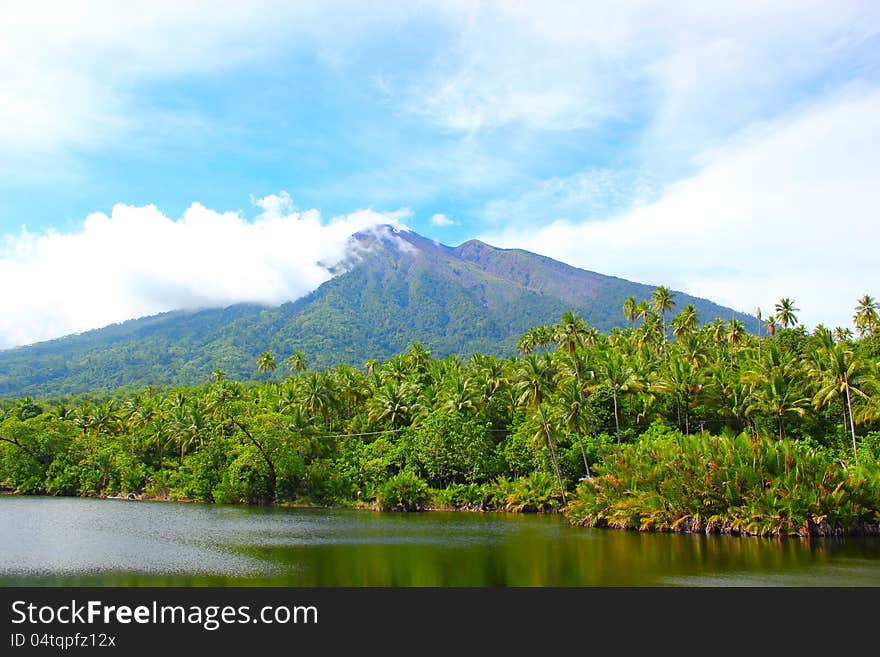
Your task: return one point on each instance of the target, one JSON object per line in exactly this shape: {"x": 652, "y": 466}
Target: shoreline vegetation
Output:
{"x": 666, "y": 425}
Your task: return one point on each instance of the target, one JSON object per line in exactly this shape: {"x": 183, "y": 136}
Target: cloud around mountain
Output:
{"x": 137, "y": 261}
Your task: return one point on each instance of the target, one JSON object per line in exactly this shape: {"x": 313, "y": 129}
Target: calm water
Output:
{"x": 69, "y": 541}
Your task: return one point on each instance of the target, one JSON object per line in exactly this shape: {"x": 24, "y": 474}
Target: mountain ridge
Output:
{"x": 393, "y": 287}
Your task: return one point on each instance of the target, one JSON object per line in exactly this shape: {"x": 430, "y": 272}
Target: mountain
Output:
{"x": 394, "y": 287}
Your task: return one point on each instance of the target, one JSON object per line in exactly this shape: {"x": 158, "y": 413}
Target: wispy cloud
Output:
{"x": 441, "y": 220}
{"x": 787, "y": 208}
{"x": 137, "y": 261}
{"x": 590, "y": 194}
{"x": 687, "y": 68}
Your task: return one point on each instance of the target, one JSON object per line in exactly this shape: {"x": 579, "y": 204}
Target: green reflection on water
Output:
{"x": 79, "y": 542}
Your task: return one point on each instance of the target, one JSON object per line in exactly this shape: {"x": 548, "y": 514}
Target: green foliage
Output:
{"x": 245, "y": 479}
{"x": 367, "y": 465}
{"x": 404, "y": 491}
{"x": 449, "y": 448}
{"x": 632, "y": 415}
{"x": 740, "y": 484}
{"x": 202, "y": 471}
{"x": 522, "y": 452}
{"x": 461, "y": 496}
{"x": 539, "y": 491}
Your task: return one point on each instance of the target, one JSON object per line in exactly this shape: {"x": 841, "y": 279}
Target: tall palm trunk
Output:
{"x": 616, "y": 415}
{"x": 584, "y": 455}
{"x": 552, "y": 453}
{"x": 851, "y": 421}
{"x": 577, "y": 376}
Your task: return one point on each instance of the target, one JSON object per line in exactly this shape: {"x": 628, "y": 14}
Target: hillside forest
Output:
{"x": 669, "y": 424}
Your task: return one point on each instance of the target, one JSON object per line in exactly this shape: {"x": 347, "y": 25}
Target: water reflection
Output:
{"x": 71, "y": 542}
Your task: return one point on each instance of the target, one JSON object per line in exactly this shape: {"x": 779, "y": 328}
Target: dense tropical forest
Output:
{"x": 667, "y": 424}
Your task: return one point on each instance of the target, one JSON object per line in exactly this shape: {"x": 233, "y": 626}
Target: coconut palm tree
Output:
{"x": 534, "y": 382}
{"x": 266, "y": 362}
{"x": 736, "y": 333}
{"x": 393, "y": 402}
{"x": 534, "y": 338}
{"x": 297, "y": 361}
{"x": 629, "y": 310}
{"x": 572, "y": 409}
{"x": 318, "y": 394}
{"x": 614, "y": 369}
{"x": 866, "y": 318}
{"x": 459, "y": 394}
{"x": 686, "y": 320}
{"x": 775, "y": 387}
{"x": 683, "y": 382}
{"x": 661, "y": 302}
{"x": 840, "y": 374}
{"x": 785, "y": 313}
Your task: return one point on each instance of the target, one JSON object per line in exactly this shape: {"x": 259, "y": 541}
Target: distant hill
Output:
{"x": 393, "y": 288}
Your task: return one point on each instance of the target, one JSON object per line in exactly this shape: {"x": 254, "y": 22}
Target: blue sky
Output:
{"x": 731, "y": 152}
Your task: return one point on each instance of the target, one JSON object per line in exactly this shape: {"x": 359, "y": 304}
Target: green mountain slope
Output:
{"x": 395, "y": 287}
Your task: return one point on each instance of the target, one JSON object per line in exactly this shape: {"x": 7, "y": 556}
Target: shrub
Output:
{"x": 403, "y": 492}
{"x": 245, "y": 480}
{"x": 742, "y": 485}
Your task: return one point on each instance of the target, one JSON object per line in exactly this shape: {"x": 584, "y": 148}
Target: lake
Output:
{"x": 48, "y": 541}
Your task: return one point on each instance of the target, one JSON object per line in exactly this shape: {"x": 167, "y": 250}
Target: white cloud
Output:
{"x": 691, "y": 70}
{"x": 441, "y": 220}
{"x": 787, "y": 208}
{"x": 137, "y": 261}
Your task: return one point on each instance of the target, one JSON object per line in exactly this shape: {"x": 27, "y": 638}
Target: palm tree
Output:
{"x": 392, "y": 403}
{"x": 684, "y": 382}
{"x": 297, "y": 361}
{"x": 570, "y": 331}
{"x": 865, "y": 318}
{"x": 614, "y": 370}
{"x": 417, "y": 356}
{"x": 351, "y": 386}
{"x": 534, "y": 338}
{"x": 775, "y": 386}
{"x": 661, "y": 301}
{"x": 318, "y": 394}
{"x": 840, "y": 374}
{"x": 459, "y": 394}
{"x": 266, "y": 362}
{"x": 692, "y": 349}
{"x": 785, "y": 313}
{"x": 642, "y": 310}
{"x": 629, "y": 309}
{"x": 718, "y": 332}
{"x": 535, "y": 381}
{"x": 736, "y": 333}
{"x": 729, "y": 393}
{"x": 686, "y": 320}
{"x": 571, "y": 401}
